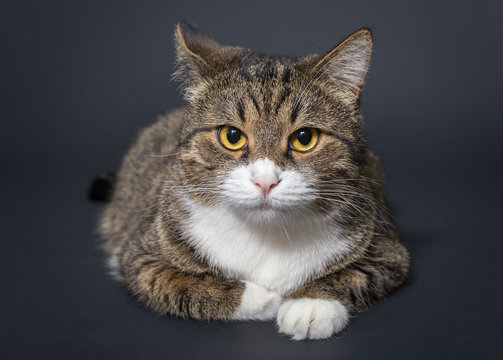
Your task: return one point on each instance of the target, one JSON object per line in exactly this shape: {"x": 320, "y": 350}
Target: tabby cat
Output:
{"x": 259, "y": 200}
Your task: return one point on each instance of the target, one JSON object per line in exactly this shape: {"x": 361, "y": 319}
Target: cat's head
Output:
{"x": 271, "y": 136}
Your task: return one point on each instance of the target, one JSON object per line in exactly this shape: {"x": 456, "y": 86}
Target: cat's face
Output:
{"x": 271, "y": 138}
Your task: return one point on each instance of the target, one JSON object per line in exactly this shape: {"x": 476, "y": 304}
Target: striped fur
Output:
{"x": 178, "y": 161}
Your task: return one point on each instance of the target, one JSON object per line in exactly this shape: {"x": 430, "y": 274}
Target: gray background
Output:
{"x": 80, "y": 78}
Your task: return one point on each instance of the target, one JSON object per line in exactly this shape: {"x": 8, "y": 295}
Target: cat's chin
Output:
{"x": 265, "y": 213}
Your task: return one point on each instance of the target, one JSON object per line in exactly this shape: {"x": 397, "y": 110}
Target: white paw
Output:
{"x": 308, "y": 318}
{"x": 257, "y": 303}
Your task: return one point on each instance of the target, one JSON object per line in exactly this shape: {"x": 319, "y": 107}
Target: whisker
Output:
{"x": 161, "y": 156}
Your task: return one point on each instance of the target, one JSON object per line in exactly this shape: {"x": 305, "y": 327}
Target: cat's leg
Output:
{"x": 322, "y": 307}
{"x": 200, "y": 295}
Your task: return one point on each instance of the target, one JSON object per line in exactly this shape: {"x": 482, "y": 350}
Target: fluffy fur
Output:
{"x": 257, "y": 303}
{"x": 196, "y": 230}
{"x": 312, "y": 318}
{"x": 279, "y": 256}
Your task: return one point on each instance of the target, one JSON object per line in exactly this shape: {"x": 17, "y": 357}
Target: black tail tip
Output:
{"x": 102, "y": 187}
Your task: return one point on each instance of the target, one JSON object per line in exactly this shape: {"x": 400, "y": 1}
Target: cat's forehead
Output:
{"x": 265, "y": 88}
{"x": 272, "y": 94}
{"x": 267, "y": 96}
{"x": 257, "y": 67}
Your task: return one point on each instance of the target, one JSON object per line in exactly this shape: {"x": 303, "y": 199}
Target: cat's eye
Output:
{"x": 304, "y": 140}
{"x": 232, "y": 138}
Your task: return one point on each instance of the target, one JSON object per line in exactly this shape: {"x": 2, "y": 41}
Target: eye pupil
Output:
{"x": 304, "y": 136}
{"x": 233, "y": 135}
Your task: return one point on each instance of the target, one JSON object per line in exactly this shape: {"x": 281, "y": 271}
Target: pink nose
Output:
{"x": 266, "y": 185}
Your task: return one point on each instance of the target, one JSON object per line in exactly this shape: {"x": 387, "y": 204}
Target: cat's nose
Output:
{"x": 265, "y": 175}
{"x": 265, "y": 182}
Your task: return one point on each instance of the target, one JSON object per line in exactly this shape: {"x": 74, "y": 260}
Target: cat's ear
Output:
{"x": 199, "y": 58}
{"x": 345, "y": 66}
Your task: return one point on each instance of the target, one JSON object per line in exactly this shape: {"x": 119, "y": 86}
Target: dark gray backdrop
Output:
{"x": 78, "y": 80}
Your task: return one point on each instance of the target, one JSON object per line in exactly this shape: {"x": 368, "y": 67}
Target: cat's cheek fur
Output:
{"x": 257, "y": 303}
{"x": 308, "y": 318}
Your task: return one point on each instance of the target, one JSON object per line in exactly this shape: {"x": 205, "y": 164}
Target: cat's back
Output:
{"x": 146, "y": 165}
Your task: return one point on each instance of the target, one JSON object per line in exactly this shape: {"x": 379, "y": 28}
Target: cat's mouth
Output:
{"x": 264, "y": 206}
{"x": 261, "y": 205}
{"x": 265, "y": 209}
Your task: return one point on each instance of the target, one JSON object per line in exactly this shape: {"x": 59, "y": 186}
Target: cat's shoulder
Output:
{"x": 171, "y": 120}
{"x": 160, "y": 137}
{"x": 166, "y": 124}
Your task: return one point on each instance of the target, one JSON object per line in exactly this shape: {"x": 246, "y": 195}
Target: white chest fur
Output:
{"x": 277, "y": 257}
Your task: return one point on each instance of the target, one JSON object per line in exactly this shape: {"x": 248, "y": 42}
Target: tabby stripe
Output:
{"x": 182, "y": 301}
{"x": 368, "y": 273}
{"x": 241, "y": 111}
{"x": 352, "y": 296}
{"x": 144, "y": 263}
{"x": 191, "y": 134}
{"x": 255, "y": 103}
{"x": 295, "y": 113}
{"x": 289, "y": 157}
{"x": 282, "y": 99}
{"x": 286, "y": 75}
{"x": 155, "y": 277}
{"x": 200, "y": 306}
{"x": 135, "y": 258}
{"x": 346, "y": 142}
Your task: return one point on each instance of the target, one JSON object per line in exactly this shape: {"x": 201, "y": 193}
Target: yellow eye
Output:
{"x": 232, "y": 138}
{"x": 304, "y": 139}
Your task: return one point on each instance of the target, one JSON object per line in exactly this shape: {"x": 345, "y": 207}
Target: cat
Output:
{"x": 260, "y": 199}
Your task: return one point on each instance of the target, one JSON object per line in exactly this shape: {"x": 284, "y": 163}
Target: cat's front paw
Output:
{"x": 257, "y": 303}
{"x": 308, "y": 318}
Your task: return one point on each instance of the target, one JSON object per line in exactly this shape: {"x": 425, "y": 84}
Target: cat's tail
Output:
{"x": 102, "y": 187}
